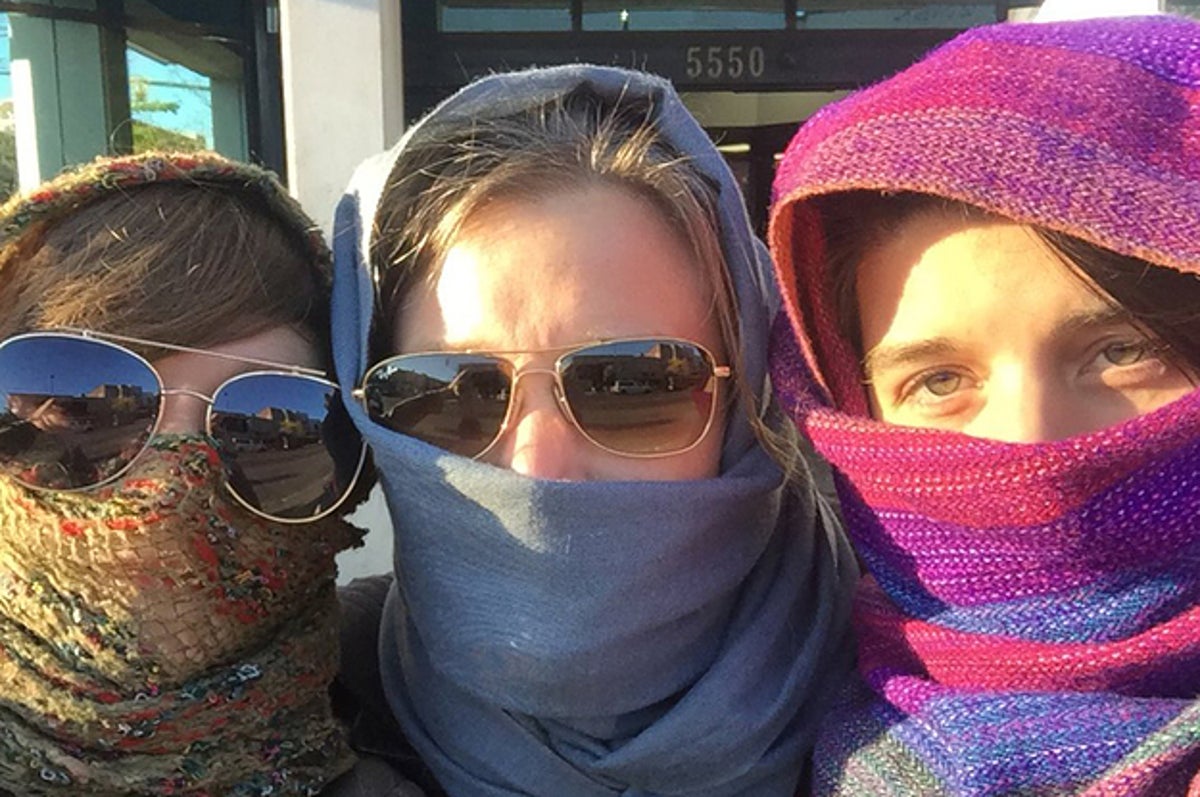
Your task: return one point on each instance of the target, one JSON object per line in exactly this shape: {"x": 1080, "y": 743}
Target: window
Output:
{"x": 883, "y": 14}
{"x": 76, "y": 82}
{"x": 511, "y": 16}
{"x": 1184, "y": 8}
{"x": 682, "y": 15}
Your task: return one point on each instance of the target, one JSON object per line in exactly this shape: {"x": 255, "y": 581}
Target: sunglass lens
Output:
{"x": 454, "y": 401}
{"x": 289, "y": 449}
{"x": 641, "y": 397}
{"x": 75, "y": 412}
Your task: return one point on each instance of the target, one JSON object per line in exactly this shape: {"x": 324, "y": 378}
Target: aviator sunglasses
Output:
{"x": 636, "y": 397}
{"x": 79, "y": 409}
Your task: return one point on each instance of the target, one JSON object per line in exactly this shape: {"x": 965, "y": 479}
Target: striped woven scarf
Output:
{"x": 1030, "y": 626}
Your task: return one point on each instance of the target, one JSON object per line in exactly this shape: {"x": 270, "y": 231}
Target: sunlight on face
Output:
{"x": 570, "y": 268}
{"x": 978, "y": 327}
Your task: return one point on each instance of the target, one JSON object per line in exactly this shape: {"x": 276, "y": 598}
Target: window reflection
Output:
{"x": 485, "y": 16}
{"x": 1184, "y": 8}
{"x": 74, "y": 86}
{"x": 883, "y": 15}
{"x": 682, "y": 15}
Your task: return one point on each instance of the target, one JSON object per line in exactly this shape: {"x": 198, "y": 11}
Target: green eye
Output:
{"x": 942, "y": 383}
{"x": 1125, "y": 353}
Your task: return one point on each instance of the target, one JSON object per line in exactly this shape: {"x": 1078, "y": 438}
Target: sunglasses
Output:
{"x": 641, "y": 397}
{"x": 79, "y": 409}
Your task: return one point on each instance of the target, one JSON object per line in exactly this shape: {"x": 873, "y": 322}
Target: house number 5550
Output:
{"x": 715, "y": 62}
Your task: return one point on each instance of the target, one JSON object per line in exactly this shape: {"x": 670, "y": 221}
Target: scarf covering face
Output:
{"x": 1031, "y": 624}
{"x": 633, "y": 638}
{"x": 156, "y": 640}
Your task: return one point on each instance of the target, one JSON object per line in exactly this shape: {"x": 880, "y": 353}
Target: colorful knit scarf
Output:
{"x": 156, "y": 640}
{"x": 1031, "y": 625}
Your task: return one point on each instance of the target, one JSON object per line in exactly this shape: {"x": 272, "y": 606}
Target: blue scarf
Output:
{"x": 602, "y": 638}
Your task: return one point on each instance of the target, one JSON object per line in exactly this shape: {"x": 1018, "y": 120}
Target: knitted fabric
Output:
{"x": 155, "y": 640}
{"x": 104, "y": 177}
{"x": 1030, "y": 626}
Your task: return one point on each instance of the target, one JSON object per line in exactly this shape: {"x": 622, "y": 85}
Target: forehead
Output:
{"x": 583, "y": 264}
{"x": 940, "y": 275}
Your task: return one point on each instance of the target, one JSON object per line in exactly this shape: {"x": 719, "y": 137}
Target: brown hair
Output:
{"x": 1160, "y": 300}
{"x": 181, "y": 262}
{"x": 454, "y": 167}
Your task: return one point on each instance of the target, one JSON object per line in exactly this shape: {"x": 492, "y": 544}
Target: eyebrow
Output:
{"x": 884, "y": 357}
{"x": 1107, "y": 316}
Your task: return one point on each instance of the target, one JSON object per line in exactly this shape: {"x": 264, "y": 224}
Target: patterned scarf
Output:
{"x": 104, "y": 177}
{"x": 1030, "y": 626}
{"x": 155, "y": 640}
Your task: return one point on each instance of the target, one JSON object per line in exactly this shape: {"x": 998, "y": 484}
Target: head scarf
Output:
{"x": 616, "y": 638}
{"x": 106, "y": 177}
{"x": 155, "y": 638}
{"x": 1031, "y": 624}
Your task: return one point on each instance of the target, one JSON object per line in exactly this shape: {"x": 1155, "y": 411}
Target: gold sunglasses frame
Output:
{"x": 719, "y": 372}
{"x": 114, "y": 341}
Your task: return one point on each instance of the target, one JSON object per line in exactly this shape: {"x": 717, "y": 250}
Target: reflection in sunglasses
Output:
{"x": 640, "y": 397}
{"x": 79, "y": 411}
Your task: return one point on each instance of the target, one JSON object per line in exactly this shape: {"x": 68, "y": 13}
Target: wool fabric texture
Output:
{"x": 600, "y": 638}
{"x": 105, "y": 177}
{"x": 155, "y": 640}
{"x": 1030, "y": 625}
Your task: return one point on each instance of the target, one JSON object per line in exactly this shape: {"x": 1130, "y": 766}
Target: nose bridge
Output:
{"x": 183, "y": 411}
{"x": 528, "y": 400}
{"x": 539, "y": 438}
{"x": 1025, "y": 404}
{"x": 521, "y": 373}
{"x": 184, "y": 391}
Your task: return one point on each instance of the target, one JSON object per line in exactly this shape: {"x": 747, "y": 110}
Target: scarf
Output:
{"x": 156, "y": 640}
{"x": 105, "y": 176}
{"x": 1030, "y": 624}
{"x": 617, "y": 638}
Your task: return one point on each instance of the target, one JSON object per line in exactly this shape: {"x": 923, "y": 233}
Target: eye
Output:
{"x": 936, "y": 388}
{"x": 940, "y": 383}
{"x": 1127, "y": 352}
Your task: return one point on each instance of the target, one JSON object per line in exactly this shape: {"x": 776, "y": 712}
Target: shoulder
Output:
{"x": 361, "y": 704}
{"x": 360, "y": 605}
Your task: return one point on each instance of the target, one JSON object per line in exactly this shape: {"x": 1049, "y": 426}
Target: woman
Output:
{"x": 166, "y": 627}
{"x": 603, "y": 583}
{"x": 995, "y": 346}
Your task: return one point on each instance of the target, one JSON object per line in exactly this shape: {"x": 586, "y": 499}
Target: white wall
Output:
{"x": 343, "y": 101}
{"x": 342, "y": 92}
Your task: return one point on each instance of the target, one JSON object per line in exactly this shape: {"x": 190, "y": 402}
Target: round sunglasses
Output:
{"x": 636, "y": 397}
{"x": 79, "y": 409}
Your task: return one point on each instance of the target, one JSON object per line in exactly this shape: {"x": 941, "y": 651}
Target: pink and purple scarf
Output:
{"x": 1031, "y": 624}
